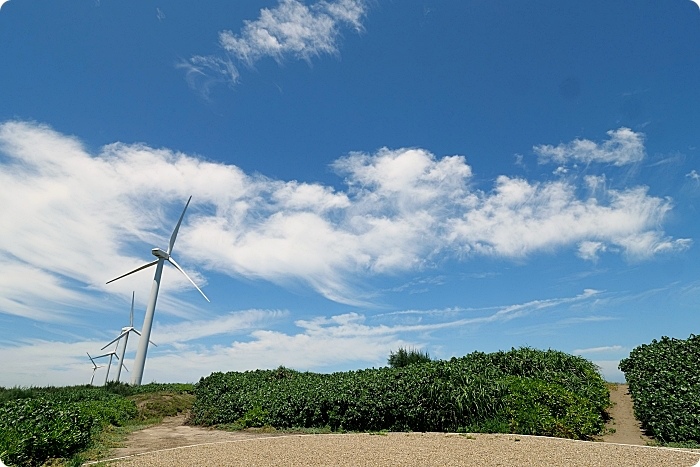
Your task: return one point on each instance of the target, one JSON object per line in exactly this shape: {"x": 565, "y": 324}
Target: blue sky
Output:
{"x": 452, "y": 175}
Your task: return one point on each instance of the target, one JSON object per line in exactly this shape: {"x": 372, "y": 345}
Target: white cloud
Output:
{"x": 291, "y": 29}
{"x": 604, "y": 349}
{"x": 83, "y": 218}
{"x": 521, "y": 217}
{"x": 610, "y": 371}
{"x": 321, "y": 343}
{"x": 590, "y": 250}
{"x": 234, "y": 322}
{"x": 44, "y": 363}
{"x": 624, "y": 147}
{"x": 203, "y": 72}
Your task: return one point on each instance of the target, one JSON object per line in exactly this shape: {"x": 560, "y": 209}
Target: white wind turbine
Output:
{"x": 111, "y": 354}
{"x": 125, "y": 334}
{"x": 163, "y": 256}
{"x": 94, "y": 368}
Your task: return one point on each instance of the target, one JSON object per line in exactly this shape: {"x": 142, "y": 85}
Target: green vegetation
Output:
{"x": 521, "y": 391}
{"x": 664, "y": 383}
{"x": 39, "y": 424}
{"x": 403, "y": 357}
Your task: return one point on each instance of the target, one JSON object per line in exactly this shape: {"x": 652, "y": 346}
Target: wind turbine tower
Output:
{"x": 163, "y": 256}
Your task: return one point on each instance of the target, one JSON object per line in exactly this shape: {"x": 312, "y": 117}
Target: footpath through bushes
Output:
{"x": 524, "y": 391}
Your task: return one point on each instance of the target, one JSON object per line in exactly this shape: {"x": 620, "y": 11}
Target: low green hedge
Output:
{"x": 521, "y": 391}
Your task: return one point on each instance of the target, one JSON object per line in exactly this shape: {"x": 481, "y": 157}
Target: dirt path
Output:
{"x": 627, "y": 429}
{"x": 174, "y": 433}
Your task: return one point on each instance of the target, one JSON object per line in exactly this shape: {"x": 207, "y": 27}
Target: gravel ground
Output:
{"x": 414, "y": 449}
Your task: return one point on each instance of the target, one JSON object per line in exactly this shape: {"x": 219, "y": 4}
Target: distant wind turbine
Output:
{"x": 94, "y": 368}
{"x": 140, "y": 360}
{"x": 111, "y": 354}
{"x": 125, "y": 334}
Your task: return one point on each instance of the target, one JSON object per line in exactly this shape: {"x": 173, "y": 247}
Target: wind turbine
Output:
{"x": 125, "y": 334}
{"x": 94, "y": 369}
{"x": 111, "y": 354}
{"x": 163, "y": 256}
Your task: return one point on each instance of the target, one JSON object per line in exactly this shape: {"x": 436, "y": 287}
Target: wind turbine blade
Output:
{"x": 149, "y": 340}
{"x": 174, "y": 263}
{"x": 114, "y": 340}
{"x": 177, "y": 227}
{"x": 93, "y": 363}
{"x": 104, "y": 355}
{"x": 152, "y": 263}
{"x": 131, "y": 316}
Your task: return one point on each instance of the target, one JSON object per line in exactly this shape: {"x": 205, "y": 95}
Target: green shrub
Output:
{"x": 536, "y": 407}
{"x": 664, "y": 383}
{"x": 44, "y": 423}
{"x": 403, "y": 357}
{"x": 523, "y": 391}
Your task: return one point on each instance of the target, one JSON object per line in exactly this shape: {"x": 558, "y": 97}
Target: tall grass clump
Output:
{"x": 404, "y": 357}
{"x": 521, "y": 391}
{"x": 664, "y": 383}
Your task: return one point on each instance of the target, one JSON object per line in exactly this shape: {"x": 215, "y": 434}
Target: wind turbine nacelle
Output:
{"x": 160, "y": 253}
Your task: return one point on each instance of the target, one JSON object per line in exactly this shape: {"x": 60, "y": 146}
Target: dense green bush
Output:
{"x": 664, "y": 383}
{"x": 34, "y": 430}
{"x": 38, "y": 424}
{"x": 522, "y": 391}
{"x": 404, "y": 357}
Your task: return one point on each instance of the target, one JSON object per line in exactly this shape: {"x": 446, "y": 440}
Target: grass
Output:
{"x": 153, "y": 407}
{"x": 680, "y": 445}
{"x": 270, "y": 429}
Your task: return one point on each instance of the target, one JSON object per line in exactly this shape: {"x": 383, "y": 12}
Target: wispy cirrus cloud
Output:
{"x": 596, "y": 350}
{"x": 623, "y": 147}
{"x": 291, "y": 29}
{"x": 491, "y": 314}
{"x": 83, "y": 217}
{"x": 246, "y": 342}
{"x": 234, "y": 322}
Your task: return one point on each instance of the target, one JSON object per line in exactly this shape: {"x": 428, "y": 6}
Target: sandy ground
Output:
{"x": 174, "y": 433}
{"x": 172, "y": 444}
{"x": 627, "y": 428}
